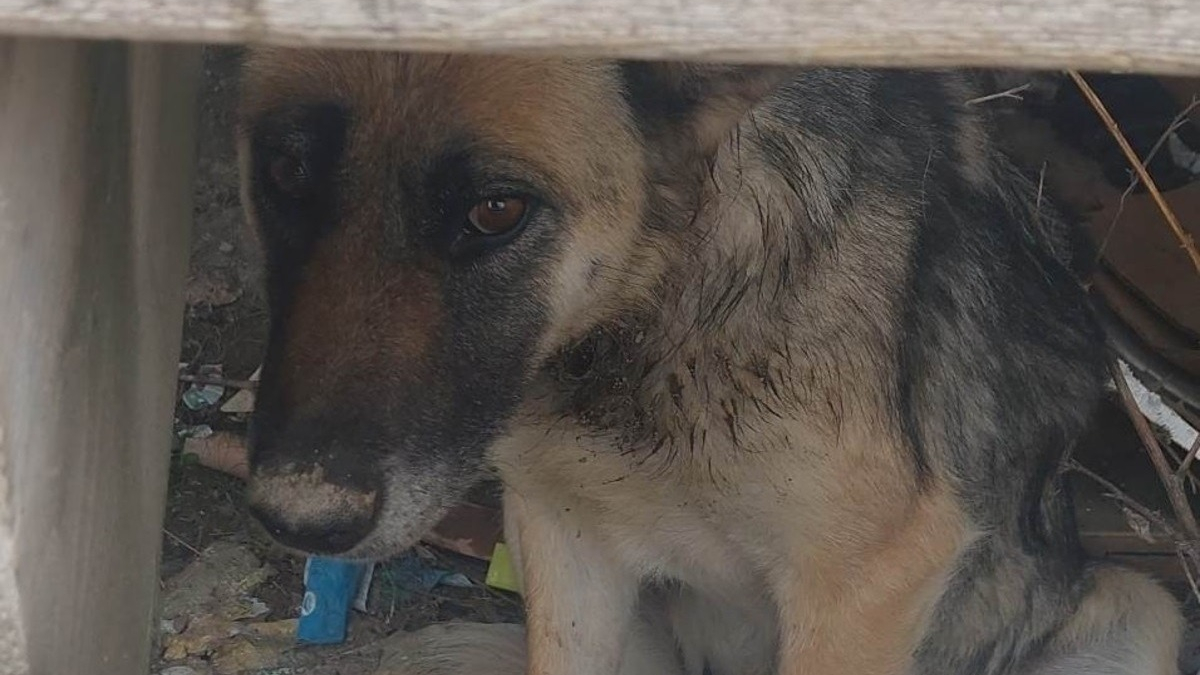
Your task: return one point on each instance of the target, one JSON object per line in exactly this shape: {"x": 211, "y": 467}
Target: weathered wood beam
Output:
{"x": 96, "y": 159}
{"x": 1148, "y": 35}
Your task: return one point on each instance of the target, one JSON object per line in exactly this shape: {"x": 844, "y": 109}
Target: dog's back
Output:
{"x": 788, "y": 364}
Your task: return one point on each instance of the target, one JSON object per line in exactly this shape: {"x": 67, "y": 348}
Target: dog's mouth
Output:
{"x": 360, "y": 486}
{"x": 309, "y": 514}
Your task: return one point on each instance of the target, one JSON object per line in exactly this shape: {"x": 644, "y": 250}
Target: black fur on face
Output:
{"x": 400, "y": 335}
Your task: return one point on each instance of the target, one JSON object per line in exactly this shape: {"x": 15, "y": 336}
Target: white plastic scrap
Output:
{"x": 242, "y": 402}
{"x": 1152, "y": 406}
{"x": 1182, "y": 155}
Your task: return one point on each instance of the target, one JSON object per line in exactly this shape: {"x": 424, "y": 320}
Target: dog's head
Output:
{"x": 432, "y": 228}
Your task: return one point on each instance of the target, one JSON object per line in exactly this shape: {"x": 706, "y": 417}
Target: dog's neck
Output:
{"x": 754, "y": 318}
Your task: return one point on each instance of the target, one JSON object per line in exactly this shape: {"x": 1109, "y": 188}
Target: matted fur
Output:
{"x": 778, "y": 375}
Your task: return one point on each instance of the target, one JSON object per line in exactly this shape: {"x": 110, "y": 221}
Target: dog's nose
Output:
{"x": 314, "y": 491}
{"x": 306, "y": 511}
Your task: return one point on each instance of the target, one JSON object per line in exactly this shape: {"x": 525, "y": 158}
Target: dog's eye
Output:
{"x": 291, "y": 175}
{"x": 497, "y": 215}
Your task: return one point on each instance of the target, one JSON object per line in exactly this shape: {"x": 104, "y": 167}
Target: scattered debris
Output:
{"x": 412, "y": 572}
{"x": 222, "y": 451}
{"x": 195, "y": 431}
{"x": 203, "y": 603}
{"x": 330, "y": 588}
{"x": 200, "y": 395}
{"x": 469, "y": 529}
{"x": 212, "y": 288}
{"x": 364, "y": 589}
{"x": 242, "y": 403}
{"x": 1152, "y": 406}
{"x": 255, "y": 646}
{"x": 179, "y": 670}
{"x": 501, "y": 573}
{"x": 215, "y": 583}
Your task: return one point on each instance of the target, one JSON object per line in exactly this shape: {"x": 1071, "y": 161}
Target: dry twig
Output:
{"x": 1177, "y": 122}
{"x": 1187, "y": 572}
{"x": 1014, "y": 93}
{"x": 1187, "y": 461}
{"x": 1184, "y": 549}
{"x": 1185, "y": 239}
{"x": 175, "y": 538}
{"x": 1171, "y": 482}
{"x": 218, "y": 381}
{"x": 1121, "y": 496}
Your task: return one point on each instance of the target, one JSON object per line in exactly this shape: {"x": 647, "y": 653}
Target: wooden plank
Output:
{"x": 1150, "y": 35}
{"x": 96, "y": 154}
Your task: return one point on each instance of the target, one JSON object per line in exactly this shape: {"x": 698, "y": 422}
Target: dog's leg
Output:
{"x": 861, "y": 609}
{"x": 840, "y": 629}
{"x": 499, "y": 649}
{"x": 580, "y": 605}
{"x": 723, "y": 638}
{"x": 1126, "y": 625}
{"x": 456, "y": 649}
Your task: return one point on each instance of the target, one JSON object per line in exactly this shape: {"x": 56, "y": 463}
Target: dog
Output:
{"x": 777, "y": 365}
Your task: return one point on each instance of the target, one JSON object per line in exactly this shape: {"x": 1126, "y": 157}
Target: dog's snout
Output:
{"x": 314, "y": 509}
{"x": 322, "y": 537}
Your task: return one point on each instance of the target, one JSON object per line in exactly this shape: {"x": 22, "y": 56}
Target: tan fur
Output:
{"x": 322, "y": 497}
{"x": 449, "y": 649}
{"x": 1127, "y": 618}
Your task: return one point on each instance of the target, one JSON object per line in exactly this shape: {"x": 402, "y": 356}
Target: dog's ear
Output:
{"x": 696, "y": 105}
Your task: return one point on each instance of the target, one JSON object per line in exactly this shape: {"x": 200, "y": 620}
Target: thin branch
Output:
{"x": 1170, "y": 481}
{"x": 218, "y": 381}
{"x": 1185, "y": 239}
{"x": 1187, "y": 572}
{"x": 1184, "y": 550}
{"x": 175, "y": 538}
{"x": 1177, "y": 461}
{"x": 1187, "y": 460}
{"x": 1176, "y": 122}
{"x": 1134, "y": 505}
{"x": 1014, "y": 93}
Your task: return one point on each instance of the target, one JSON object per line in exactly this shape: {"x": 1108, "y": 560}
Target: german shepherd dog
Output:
{"x": 777, "y": 365}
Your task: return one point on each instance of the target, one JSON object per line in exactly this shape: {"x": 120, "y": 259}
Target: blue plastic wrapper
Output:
{"x": 330, "y": 586}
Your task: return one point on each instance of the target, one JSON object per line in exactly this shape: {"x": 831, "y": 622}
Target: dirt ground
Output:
{"x": 225, "y": 327}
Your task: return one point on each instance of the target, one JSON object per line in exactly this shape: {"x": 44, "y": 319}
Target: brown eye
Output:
{"x": 497, "y": 215}
{"x": 290, "y": 174}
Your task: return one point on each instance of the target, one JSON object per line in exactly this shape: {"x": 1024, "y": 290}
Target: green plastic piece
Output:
{"x": 500, "y": 572}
